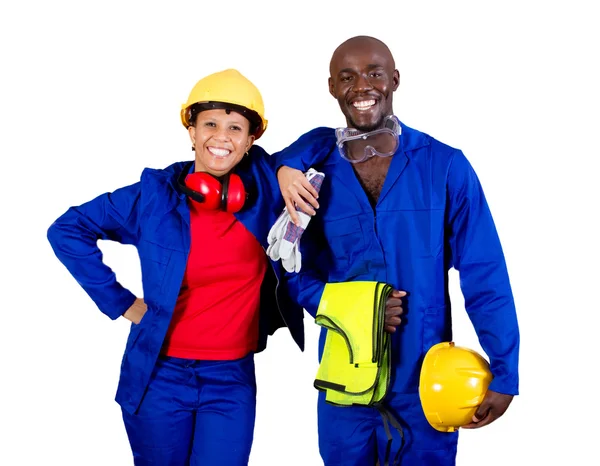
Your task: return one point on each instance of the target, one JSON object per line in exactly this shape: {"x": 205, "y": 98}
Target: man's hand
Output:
{"x": 136, "y": 312}
{"x": 297, "y": 191}
{"x": 393, "y": 311}
{"x": 493, "y": 406}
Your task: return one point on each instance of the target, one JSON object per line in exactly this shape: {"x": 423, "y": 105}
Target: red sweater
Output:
{"x": 217, "y": 311}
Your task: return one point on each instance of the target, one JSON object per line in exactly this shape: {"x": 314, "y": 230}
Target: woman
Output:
{"x": 187, "y": 385}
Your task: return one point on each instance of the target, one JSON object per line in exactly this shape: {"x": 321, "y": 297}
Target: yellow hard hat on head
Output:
{"x": 452, "y": 385}
{"x": 227, "y": 89}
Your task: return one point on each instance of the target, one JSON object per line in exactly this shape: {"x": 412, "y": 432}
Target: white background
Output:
{"x": 90, "y": 95}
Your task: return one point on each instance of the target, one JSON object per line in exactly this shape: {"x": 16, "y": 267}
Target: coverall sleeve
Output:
{"x": 478, "y": 257}
{"x": 74, "y": 238}
{"x": 265, "y": 175}
{"x": 306, "y": 287}
{"x": 308, "y": 150}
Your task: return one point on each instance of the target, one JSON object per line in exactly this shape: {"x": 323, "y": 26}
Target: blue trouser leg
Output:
{"x": 356, "y": 436}
{"x": 346, "y": 434}
{"x": 195, "y": 413}
{"x": 224, "y": 427}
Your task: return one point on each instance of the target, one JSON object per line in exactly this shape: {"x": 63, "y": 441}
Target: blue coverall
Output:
{"x": 431, "y": 215}
{"x": 153, "y": 215}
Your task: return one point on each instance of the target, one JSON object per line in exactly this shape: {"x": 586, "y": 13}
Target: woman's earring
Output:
{"x": 193, "y": 149}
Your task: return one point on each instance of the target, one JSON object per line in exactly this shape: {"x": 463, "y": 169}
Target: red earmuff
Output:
{"x": 235, "y": 195}
{"x": 210, "y": 194}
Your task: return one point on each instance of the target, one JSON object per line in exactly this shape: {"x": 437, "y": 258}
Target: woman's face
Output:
{"x": 220, "y": 140}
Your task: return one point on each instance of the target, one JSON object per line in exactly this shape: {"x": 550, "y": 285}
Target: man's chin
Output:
{"x": 366, "y": 126}
{"x": 367, "y": 122}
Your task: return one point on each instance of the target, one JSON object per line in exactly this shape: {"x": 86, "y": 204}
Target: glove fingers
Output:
{"x": 273, "y": 251}
{"x": 288, "y": 263}
{"x": 286, "y": 249}
{"x": 298, "y": 258}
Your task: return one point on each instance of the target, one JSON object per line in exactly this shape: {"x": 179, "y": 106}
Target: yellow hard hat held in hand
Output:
{"x": 452, "y": 385}
{"x": 227, "y": 89}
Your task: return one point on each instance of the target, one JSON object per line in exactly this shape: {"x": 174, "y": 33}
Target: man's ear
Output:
{"x": 331, "y": 87}
{"x": 396, "y": 79}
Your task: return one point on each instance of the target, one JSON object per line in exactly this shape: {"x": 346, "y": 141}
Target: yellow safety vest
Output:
{"x": 356, "y": 362}
{"x": 355, "y": 366}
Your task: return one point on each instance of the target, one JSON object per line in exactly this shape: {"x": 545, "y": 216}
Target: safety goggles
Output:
{"x": 362, "y": 143}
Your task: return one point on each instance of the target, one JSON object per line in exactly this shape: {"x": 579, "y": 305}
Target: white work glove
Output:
{"x": 284, "y": 236}
{"x": 276, "y": 234}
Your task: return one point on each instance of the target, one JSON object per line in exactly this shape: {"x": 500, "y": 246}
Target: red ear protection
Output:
{"x": 234, "y": 194}
{"x": 210, "y": 193}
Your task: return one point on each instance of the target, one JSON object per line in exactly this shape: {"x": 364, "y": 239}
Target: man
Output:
{"x": 402, "y": 208}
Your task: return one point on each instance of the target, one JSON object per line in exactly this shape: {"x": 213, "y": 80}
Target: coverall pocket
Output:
{"x": 435, "y": 329}
{"x": 346, "y": 242}
{"x": 154, "y": 260}
{"x": 134, "y": 334}
{"x": 422, "y": 230}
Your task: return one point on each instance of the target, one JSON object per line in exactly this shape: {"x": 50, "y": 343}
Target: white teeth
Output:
{"x": 219, "y": 152}
{"x": 363, "y": 104}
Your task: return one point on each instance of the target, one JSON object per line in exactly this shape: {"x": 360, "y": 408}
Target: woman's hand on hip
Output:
{"x": 136, "y": 311}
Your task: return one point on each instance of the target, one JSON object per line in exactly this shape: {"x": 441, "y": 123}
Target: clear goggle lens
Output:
{"x": 363, "y": 142}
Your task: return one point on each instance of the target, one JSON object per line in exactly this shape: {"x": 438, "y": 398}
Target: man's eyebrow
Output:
{"x": 371, "y": 66}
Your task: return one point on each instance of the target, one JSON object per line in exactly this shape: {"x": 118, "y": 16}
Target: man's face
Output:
{"x": 363, "y": 80}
